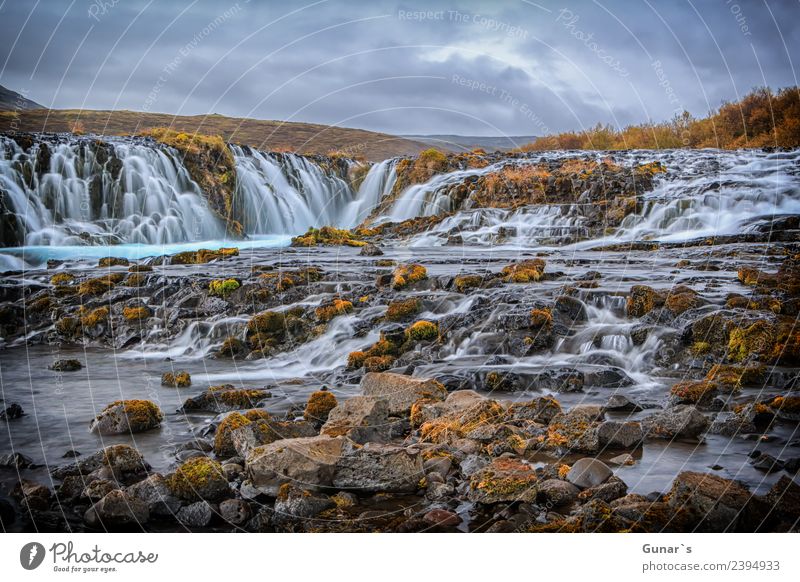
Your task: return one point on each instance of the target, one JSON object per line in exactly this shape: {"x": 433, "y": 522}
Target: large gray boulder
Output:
{"x": 127, "y": 416}
{"x": 400, "y": 391}
{"x": 309, "y": 462}
{"x": 682, "y": 421}
{"x": 264, "y": 432}
{"x": 616, "y": 434}
{"x": 379, "y": 468}
{"x": 155, "y": 492}
{"x": 117, "y": 509}
{"x": 361, "y": 418}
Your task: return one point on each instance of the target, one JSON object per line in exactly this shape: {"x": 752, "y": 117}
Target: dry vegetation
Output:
{"x": 305, "y": 138}
{"x": 763, "y": 118}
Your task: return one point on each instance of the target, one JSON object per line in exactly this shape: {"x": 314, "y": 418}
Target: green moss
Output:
{"x": 141, "y": 414}
{"x": 401, "y": 309}
{"x": 319, "y": 405}
{"x": 95, "y": 317}
{"x": 422, "y": 330}
{"x": 180, "y": 379}
{"x": 465, "y": 283}
{"x": 524, "y": 271}
{"x": 113, "y": 262}
{"x": 330, "y": 310}
{"x": 137, "y": 313}
{"x": 197, "y": 476}
{"x": 222, "y": 287}
{"x": 231, "y": 347}
{"x": 203, "y": 256}
{"x": 405, "y": 275}
{"x": 752, "y": 342}
{"x": 328, "y": 236}
{"x": 62, "y": 278}
{"x": 223, "y": 444}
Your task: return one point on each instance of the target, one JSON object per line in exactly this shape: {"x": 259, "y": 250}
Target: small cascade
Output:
{"x": 377, "y": 184}
{"x": 286, "y": 193}
{"x": 122, "y": 192}
{"x": 731, "y": 193}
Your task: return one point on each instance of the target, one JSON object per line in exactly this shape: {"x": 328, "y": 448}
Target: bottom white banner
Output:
{"x": 394, "y": 557}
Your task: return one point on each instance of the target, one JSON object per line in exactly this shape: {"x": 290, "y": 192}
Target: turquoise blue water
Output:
{"x": 17, "y": 258}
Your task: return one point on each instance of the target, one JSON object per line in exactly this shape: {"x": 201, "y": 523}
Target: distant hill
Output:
{"x": 13, "y": 101}
{"x": 306, "y": 138}
{"x": 459, "y": 143}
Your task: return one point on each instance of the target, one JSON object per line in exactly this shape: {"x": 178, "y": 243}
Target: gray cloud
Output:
{"x": 511, "y": 67}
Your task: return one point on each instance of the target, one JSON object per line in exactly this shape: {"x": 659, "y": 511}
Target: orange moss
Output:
{"x": 525, "y": 271}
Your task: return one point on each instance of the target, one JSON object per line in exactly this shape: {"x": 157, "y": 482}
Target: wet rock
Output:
{"x": 226, "y": 398}
{"x": 504, "y": 480}
{"x": 12, "y": 412}
{"x": 309, "y": 462}
{"x": 127, "y": 416}
{"x": 556, "y": 493}
{"x": 574, "y": 431}
{"x": 155, "y": 492}
{"x": 360, "y": 418}
{"x": 123, "y": 461}
{"x": 731, "y": 424}
{"x": 783, "y": 499}
{"x": 615, "y": 434}
{"x": 16, "y": 461}
{"x": 117, "y": 509}
{"x": 624, "y": 459}
{"x": 442, "y": 517}
{"x": 379, "y": 468}
{"x": 588, "y": 472}
{"x": 198, "y": 514}
{"x": 400, "y": 391}
{"x": 7, "y": 516}
{"x": 717, "y": 504}
{"x": 542, "y": 410}
{"x": 199, "y": 478}
{"x": 767, "y": 463}
{"x": 609, "y": 491}
{"x": 98, "y": 489}
{"x": 66, "y": 365}
{"x": 264, "y": 432}
{"x": 294, "y": 502}
{"x": 623, "y": 403}
{"x": 610, "y": 377}
{"x": 32, "y": 494}
{"x": 571, "y": 308}
{"x": 680, "y": 421}
{"x": 235, "y": 511}
{"x": 438, "y": 465}
{"x": 370, "y": 250}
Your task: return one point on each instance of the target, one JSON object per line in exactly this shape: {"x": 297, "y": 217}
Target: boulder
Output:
{"x": 308, "y": 462}
{"x": 616, "y": 434}
{"x": 682, "y": 421}
{"x": 504, "y": 480}
{"x": 296, "y": 503}
{"x": 556, "y": 492}
{"x": 379, "y": 468}
{"x": 226, "y": 398}
{"x": 117, "y": 509}
{"x": 588, "y": 472}
{"x": 199, "y": 478}
{"x": 442, "y": 517}
{"x": 400, "y": 391}
{"x": 235, "y": 511}
{"x": 361, "y": 418}
{"x": 155, "y": 492}
{"x": 127, "y": 416}
{"x": 264, "y": 432}
{"x": 731, "y": 424}
{"x": 123, "y": 461}
{"x": 718, "y": 504}
{"x": 66, "y": 365}
{"x": 198, "y": 514}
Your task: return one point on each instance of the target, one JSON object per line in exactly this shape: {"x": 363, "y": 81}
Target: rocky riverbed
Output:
{"x": 456, "y": 370}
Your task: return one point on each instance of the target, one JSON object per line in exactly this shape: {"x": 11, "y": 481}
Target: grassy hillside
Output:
{"x": 306, "y": 138}
{"x": 13, "y": 101}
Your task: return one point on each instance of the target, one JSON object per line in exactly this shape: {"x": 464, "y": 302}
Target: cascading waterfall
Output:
{"x": 139, "y": 194}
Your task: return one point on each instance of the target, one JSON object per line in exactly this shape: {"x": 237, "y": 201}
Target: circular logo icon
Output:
{"x": 31, "y": 555}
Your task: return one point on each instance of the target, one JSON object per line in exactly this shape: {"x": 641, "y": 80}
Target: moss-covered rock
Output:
{"x": 95, "y": 317}
{"x": 422, "y": 330}
{"x": 528, "y": 271}
{"x": 752, "y": 342}
{"x": 226, "y": 398}
{"x": 642, "y": 300}
{"x": 222, "y": 287}
{"x": 328, "y": 236}
{"x": 330, "y": 310}
{"x": 99, "y": 285}
{"x": 180, "y": 379}
{"x": 405, "y": 275}
{"x": 319, "y": 405}
{"x": 504, "y": 480}
{"x": 136, "y": 313}
{"x": 403, "y": 309}
{"x": 199, "y": 478}
{"x": 113, "y": 262}
{"x": 127, "y": 416}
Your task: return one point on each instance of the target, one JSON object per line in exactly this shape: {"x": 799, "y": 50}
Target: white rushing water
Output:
{"x": 77, "y": 200}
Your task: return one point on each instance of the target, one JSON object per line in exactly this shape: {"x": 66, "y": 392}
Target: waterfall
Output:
{"x": 136, "y": 194}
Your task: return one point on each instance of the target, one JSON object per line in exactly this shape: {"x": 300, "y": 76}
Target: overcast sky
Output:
{"x": 485, "y": 68}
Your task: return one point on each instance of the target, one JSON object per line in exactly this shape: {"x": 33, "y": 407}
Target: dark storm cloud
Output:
{"x": 512, "y": 67}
